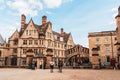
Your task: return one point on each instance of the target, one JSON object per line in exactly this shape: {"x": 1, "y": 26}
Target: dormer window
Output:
{"x": 61, "y": 38}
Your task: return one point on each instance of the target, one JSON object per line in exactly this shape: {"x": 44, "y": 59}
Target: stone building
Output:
{"x": 38, "y": 43}
{"x": 104, "y": 41}
{"x": 4, "y": 52}
{"x": 118, "y": 35}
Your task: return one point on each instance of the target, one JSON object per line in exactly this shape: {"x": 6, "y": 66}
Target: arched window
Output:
{"x": 0, "y": 53}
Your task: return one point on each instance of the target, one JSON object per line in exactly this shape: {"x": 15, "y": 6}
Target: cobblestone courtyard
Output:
{"x": 68, "y": 74}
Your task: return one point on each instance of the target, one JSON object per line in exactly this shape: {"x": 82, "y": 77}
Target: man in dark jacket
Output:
{"x": 60, "y": 64}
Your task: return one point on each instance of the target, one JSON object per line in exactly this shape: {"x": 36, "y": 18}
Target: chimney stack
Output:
{"x": 62, "y": 32}
{"x": 23, "y": 21}
{"x": 44, "y": 20}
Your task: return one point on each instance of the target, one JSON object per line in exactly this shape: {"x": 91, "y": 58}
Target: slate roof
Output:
{"x": 42, "y": 30}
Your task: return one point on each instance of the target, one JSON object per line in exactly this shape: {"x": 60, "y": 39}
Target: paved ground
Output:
{"x": 68, "y": 74}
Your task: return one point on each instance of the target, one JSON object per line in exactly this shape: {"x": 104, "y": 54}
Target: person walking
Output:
{"x": 60, "y": 64}
{"x": 113, "y": 61}
{"x": 40, "y": 64}
{"x": 51, "y": 66}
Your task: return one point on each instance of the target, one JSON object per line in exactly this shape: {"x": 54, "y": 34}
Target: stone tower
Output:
{"x": 118, "y": 25}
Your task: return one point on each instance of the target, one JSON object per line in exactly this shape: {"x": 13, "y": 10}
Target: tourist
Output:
{"x": 51, "y": 66}
{"x": 60, "y": 64}
{"x": 40, "y": 64}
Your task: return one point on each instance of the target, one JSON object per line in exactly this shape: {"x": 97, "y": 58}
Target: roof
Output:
{"x": 1, "y": 39}
{"x": 42, "y": 30}
{"x": 65, "y": 37}
{"x": 102, "y": 33}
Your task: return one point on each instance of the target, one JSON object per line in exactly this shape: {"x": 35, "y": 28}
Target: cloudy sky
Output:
{"x": 76, "y": 16}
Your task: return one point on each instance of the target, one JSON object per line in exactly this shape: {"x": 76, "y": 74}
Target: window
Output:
{"x": 35, "y": 50}
{"x": 30, "y": 42}
{"x": 55, "y": 36}
{"x": 97, "y": 39}
{"x": 24, "y": 42}
{"x": 58, "y": 45}
{"x": 30, "y": 32}
{"x": 61, "y": 38}
{"x": 15, "y": 42}
{"x": 15, "y": 50}
{"x": 55, "y": 44}
{"x": 34, "y": 32}
{"x": 115, "y": 39}
{"x": 36, "y": 42}
{"x": 24, "y": 61}
{"x": 50, "y": 35}
{"x": 107, "y": 48}
{"x": 98, "y": 47}
{"x": 106, "y": 39}
{"x": 24, "y": 51}
{"x": 26, "y": 32}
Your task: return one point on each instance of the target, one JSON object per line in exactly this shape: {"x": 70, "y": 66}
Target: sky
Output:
{"x": 79, "y": 17}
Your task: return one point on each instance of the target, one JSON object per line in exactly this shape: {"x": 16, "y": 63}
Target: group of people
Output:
{"x": 60, "y": 65}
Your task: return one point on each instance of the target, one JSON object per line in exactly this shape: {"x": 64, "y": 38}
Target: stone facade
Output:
{"x": 105, "y": 43}
{"x": 38, "y": 42}
{"x": 118, "y": 35}
{"x": 4, "y": 52}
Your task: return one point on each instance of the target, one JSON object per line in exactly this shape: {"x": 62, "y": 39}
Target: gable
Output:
{"x": 49, "y": 32}
{"x": 15, "y": 35}
{"x": 30, "y": 31}
{"x": 70, "y": 40}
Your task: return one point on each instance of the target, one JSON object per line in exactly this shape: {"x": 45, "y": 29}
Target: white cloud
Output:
{"x": 52, "y": 3}
{"x": 55, "y": 3}
{"x": 115, "y": 11}
{"x": 1, "y": 1}
{"x": 1, "y": 5}
{"x": 65, "y": 1}
{"x": 112, "y": 23}
{"x": 48, "y": 12}
{"x": 29, "y": 7}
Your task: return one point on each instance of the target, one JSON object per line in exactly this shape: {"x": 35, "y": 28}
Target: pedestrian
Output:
{"x": 104, "y": 64}
{"x": 60, "y": 64}
{"x": 40, "y": 64}
{"x": 74, "y": 65}
{"x": 113, "y": 62}
{"x": 51, "y": 66}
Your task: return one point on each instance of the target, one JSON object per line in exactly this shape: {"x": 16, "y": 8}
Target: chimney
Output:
{"x": 23, "y": 21}
{"x": 44, "y": 19}
{"x": 62, "y": 32}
